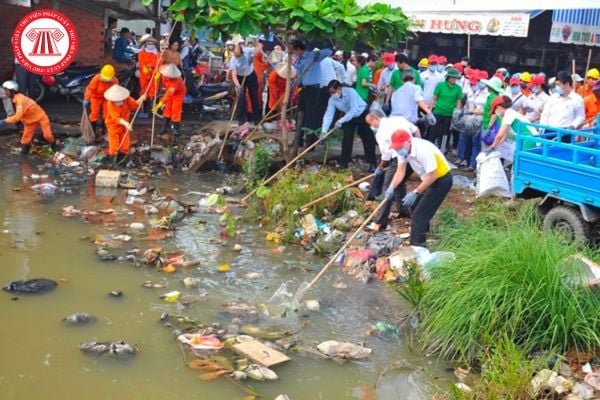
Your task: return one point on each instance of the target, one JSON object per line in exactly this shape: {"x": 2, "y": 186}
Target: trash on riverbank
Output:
{"x": 259, "y": 353}
{"x": 117, "y": 349}
{"x": 79, "y": 318}
{"x": 31, "y": 286}
{"x": 344, "y": 350}
{"x": 108, "y": 178}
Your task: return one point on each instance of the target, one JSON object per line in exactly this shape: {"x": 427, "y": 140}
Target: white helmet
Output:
{"x": 11, "y": 85}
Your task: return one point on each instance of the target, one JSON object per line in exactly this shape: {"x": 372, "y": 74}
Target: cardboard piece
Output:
{"x": 260, "y": 353}
{"x": 107, "y": 178}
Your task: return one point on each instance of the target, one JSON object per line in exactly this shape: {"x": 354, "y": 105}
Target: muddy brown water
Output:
{"x": 40, "y": 356}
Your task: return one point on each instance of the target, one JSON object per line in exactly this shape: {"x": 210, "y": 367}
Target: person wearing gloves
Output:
{"x": 436, "y": 181}
{"x": 172, "y": 101}
{"x": 534, "y": 104}
{"x": 504, "y": 142}
{"x": 469, "y": 146}
{"x": 148, "y": 60}
{"x": 119, "y": 106}
{"x": 93, "y": 99}
{"x": 346, "y": 100}
{"x": 446, "y": 97}
{"x": 564, "y": 109}
{"x": 28, "y": 112}
{"x": 245, "y": 81}
{"x": 383, "y": 128}
{"x": 407, "y": 101}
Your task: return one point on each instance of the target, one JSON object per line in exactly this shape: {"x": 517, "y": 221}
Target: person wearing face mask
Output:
{"x": 118, "y": 111}
{"x": 514, "y": 93}
{"x": 172, "y": 101}
{"x": 436, "y": 181}
{"x": 148, "y": 61}
{"x": 504, "y": 141}
{"x": 423, "y": 66}
{"x": 592, "y": 104}
{"x": 389, "y": 66}
{"x": 525, "y": 80}
{"x": 564, "y": 108}
{"x": 592, "y": 76}
{"x": 396, "y": 78}
{"x": 469, "y": 146}
{"x": 442, "y": 63}
{"x": 93, "y": 98}
{"x": 407, "y": 101}
{"x": 351, "y": 68}
{"x": 347, "y": 101}
{"x": 384, "y": 128}
{"x": 364, "y": 76}
{"x": 446, "y": 97}
{"x": 534, "y": 104}
{"x": 430, "y": 79}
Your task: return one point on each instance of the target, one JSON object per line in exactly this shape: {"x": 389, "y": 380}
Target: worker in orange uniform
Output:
{"x": 119, "y": 106}
{"x": 93, "y": 99}
{"x": 30, "y": 114}
{"x": 276, "y": 84}
{"x": 591, "y": 104}
{"x": 148, "y": 60}
{"x": 592, "y": 76}
{"x": 173, "y": 98}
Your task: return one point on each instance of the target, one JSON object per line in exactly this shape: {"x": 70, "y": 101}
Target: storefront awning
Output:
{"x": 576, "y": 27}
{"x": 492, "y": 24}
{"x": 484, "y": 6}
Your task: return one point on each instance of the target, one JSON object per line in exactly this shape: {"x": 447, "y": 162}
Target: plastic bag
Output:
{"x": 466, "y": 123}
{"x": 489, "y": 137}
{"x": 491, "y": 178}
{"x": 87, "y": 132}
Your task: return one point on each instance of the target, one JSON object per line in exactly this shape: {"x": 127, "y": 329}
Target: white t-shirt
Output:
{"x": 536, "y": 103}
{"x": 424, "y": 158}
{"x": 563, "y": 111}
{"x": 350, "y": 74}
{"x": 387, "y": 126}
{"x": 507, "y": 148}
{"x": 430, "y": 81}
{"x": 476, "y": 100}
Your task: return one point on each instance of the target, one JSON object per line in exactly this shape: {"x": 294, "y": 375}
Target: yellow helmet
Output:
{"x": 593, "y": 73}
{"x": 424, "y": 63}
{"x": 107, "y": 73}
{"x": 525, "y": 77}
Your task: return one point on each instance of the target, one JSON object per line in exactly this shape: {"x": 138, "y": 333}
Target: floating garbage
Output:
{"x": 171, "y": 297}
{"x": 312, "y": 305}
{"x": 118, "y": 349}
{"x": 200, "y": 344}
{"x": 258, "y": 373}
{"x": 344, "y": 350}
{"x": 79, "y": 318}
{"x": 224, "y": 268}
{"x": 31, "y": 286}
{"x": 44, "y": 189}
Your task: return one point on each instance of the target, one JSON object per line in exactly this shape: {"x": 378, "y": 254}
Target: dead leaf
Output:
{"x": 107, "y": 211}
{"x": 211, "y": 376}
{"x": 222, "y": 362}
{"x": 358, "y": 193}
{"x": 204, "y": 365}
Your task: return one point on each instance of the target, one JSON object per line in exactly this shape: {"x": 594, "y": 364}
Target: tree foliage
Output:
{"x": 344, "y": 21}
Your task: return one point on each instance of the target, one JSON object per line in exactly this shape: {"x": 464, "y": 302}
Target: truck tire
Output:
{"x": 569, "y": 223}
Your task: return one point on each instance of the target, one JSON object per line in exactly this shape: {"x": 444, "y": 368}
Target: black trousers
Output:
{"x": 383, "y": 218}
{"x": 425, "y": 208}
{"x": 323, "y": 101}
{"x": 439, "y": 130}
{"x": 26, "y": 81}
{"x": 367, "y": 136}
{"x": 250, "y": 85}
{"x": 308, "y": 103}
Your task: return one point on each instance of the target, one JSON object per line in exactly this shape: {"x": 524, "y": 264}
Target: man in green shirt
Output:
{"x": 446, "y": 97}
{"x": 364, "y": 77}
{"x": 396, "y": 79}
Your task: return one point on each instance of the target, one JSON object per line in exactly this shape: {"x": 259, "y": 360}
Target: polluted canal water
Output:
{"x": 40, "y": 352}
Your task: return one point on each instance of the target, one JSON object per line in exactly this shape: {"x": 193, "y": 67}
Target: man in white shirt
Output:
{"x": 564, "y": 109}
{"x": 330, "y": 70}
{"x": 407, "y": 100}
{"x": 516, "y": 95}
{"x": 436, "y": 181}
{"x": 389, "y": 65}
{"x": 536, "y": 100}
{"x": 351, "y": 70}
{"x": 384, "y": 128}
{"x": 430, "y": 79}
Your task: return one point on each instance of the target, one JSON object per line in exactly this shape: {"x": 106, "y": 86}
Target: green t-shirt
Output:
{"x": 396, "y": 78}
{"x": 486, "y": 111}
{"x": 447, "y": 96}
{"x": 363, "y": 73}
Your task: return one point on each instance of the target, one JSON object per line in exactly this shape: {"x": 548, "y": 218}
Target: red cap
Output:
{"x": 399, "y": 138}
{"x": 474, "y": 76}
{"x": 483, "y": 74}
{"x": 514, "y": 81}
{"x": 433, "y": 59}
{"x": 495, "y": 103}
{"x": 537, "y": 80}
{"x": 388, "y": 59}
{"x": 499, "y": 76}
{"x": 459, "y": 67}
{"x": 442, "y": 60}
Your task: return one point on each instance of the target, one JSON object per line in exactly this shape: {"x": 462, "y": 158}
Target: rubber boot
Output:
{"x": 25, "y": 148}
{"x": 114, "y": 161}
{"x": 53, "y": 146}
{"x": 143, "y": 114}
{"x": 166, "y": 126}
{"x": 121, "y": 159}
{"x": 175, "y": 128}
{"x": 94, "y": 126}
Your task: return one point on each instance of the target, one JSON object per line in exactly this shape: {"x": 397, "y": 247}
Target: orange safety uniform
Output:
{"x": 585, "y": 90}
{"x": 31, "y": 115}
{"x": 117, "y": 133}
{"x": 276, "y": 90}
{"x": 173, "y": 98}
{"x": 377, "y": 76}
{"x": 95, "y": 94}
{"x": 148, "y": 63}
{"x": 592, "y": 106}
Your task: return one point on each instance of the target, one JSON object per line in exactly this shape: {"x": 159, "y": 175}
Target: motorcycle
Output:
{"x": 71, "y": 82}
{"x": 214, "y": 98}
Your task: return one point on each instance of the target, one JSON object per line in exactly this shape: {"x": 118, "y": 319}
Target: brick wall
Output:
{"x": 89, "y": 26}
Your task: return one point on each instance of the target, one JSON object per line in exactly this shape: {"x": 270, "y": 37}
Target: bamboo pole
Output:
{"x": 469, "y": 45}
{"x": 312, "y": 203}
{"x": 589, "y": 61}
{"x": 233, "y": 111}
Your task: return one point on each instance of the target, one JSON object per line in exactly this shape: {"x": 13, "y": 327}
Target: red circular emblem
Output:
{"x": 45, "y": 42}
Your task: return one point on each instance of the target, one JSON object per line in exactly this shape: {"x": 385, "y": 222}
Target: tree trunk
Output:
{"x": 286, "y": 97}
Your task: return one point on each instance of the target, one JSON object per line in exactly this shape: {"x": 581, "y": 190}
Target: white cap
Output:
{"x": 116, "y": 93}
{"x": 281, "y": 70}
{"x": 227, "y": 43}
{"x": 169, "y": 71}
{"x": 339, "y": 53}
{"x": 365, "y": 55}
{"x": 577, "y": 78}
{"x": 11, "y": 85}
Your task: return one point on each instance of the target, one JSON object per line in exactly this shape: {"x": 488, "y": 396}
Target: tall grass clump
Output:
{"x": 509, "y": 279}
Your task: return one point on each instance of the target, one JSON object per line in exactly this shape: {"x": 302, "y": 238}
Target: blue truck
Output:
{"x": 563, "y": 168}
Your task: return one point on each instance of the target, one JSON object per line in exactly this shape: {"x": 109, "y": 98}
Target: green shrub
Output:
{"x": 256, "y": 167}
{"x": 509, "y": 279}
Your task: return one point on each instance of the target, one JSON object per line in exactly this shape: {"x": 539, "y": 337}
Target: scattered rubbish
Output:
{"x": 116, "y": 349}
{"x": 261, "y": 333}
{"x": 79, "y": 318}
{"x": 461, "y": 373}
{"x": 260, "y": 353}
{"x": 237, "y": 248}
{"x": 590, "y": 270}
{"x": 137, "y": 227}
{"x": 44, "y": 189}
{"x": 273, "y": 237}
{"x": 135, "y": 192}
{"x": 115, "y": 293}
{"x": 200, "y": 344}
{"x": 384, "y": 328}
{"x": 107, "y": 178}
{"x": 312, "y": 305}
{"x": 462, "y": 181}
{"x": 463, "y": 388}
{"x": 171, "y": 297}
{"x": 583, "y": 391}
{"x": 150, "y": 210}
{"x": 364, "y": 187}
{"x": 239, "y": 309}
{"x": 547, "y": 379}
{"x": 70, "y": 211}
{"x": 189, "y": 282}
{"x": 224, "y": 268}
{"x": 344, "y": 350}
{"x": 251, "y": 276}
{"x": 491, "y": 178}
{"x": 152, "y": 285}
{"x": 258, "y": 373}
{"x": 340, "y": 285}
{"x": 593, "y": 380}
{"x": 169, "y": 268}
{"x": 31, "y": 286}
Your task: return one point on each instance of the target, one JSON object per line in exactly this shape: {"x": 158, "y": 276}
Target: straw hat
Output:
{"x": 147, "y": 38}
{"x": 281, "y": 70}
{"x": 116, "y": 93}
{"x": 169, "y": 71}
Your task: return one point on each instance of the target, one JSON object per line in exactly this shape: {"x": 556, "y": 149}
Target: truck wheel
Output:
{"x": 569, "y": 223}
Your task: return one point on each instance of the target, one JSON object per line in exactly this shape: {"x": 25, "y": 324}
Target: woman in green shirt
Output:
{"x": 364, "y": 76}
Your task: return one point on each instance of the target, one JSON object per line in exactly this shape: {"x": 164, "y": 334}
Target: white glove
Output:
{"x": 338, "y": 124}
{"x": 125, "y": 124}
